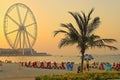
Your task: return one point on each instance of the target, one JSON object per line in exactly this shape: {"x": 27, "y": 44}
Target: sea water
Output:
{"x": 59, "y": 59}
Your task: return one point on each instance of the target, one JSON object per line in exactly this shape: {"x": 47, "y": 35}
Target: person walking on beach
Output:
{"x": 87, "y": 64}
{"x": 78, "y": 69}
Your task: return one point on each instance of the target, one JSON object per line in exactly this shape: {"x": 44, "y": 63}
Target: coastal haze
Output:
{"x": 50, "y": 13}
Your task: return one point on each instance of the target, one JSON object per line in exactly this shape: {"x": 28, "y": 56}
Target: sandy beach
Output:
{"x": 12, "y": 71}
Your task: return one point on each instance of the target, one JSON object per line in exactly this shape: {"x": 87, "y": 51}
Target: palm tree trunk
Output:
{"x": 82, "y": 60}
{"x": 82, "y": 63}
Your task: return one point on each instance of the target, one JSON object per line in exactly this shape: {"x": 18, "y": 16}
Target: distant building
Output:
{"x": 19, "y": 52}
{"x": 10, "y": 52}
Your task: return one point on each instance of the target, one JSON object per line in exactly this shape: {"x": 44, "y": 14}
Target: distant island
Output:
{"x": 18, "y": 52}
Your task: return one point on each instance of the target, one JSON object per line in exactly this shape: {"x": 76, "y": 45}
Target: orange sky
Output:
{"x": 50, "y": 13}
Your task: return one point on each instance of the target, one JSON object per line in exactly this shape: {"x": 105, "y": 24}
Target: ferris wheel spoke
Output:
{"x": 13, "y": 20}
{"x": 25, "y": 17}
{"x": 14, "y": 44}
{"x": 30, "y": 35}
{"x": 25, "y": 40}
{"x": 18, "y": 11}
{"x": 18, "y": 40}
{"x": 12, "y": 31}
{"x": 28, "y": 39}
{"x": 30, "y": 24}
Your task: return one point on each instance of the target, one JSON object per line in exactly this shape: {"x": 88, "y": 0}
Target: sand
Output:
{"x": 12, "y": 71}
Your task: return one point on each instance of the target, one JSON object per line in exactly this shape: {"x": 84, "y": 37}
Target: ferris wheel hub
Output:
{"x": 21, "y": 28}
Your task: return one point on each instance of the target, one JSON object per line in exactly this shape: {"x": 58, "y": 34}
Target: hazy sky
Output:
{"x": 50, "y": 13}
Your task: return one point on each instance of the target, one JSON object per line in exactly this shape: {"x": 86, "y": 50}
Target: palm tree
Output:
{"x": 83, "y": 37}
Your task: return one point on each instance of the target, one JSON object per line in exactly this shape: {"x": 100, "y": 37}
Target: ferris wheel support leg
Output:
{"x": 23, "y": 51}
{"x": 31, "y": 51}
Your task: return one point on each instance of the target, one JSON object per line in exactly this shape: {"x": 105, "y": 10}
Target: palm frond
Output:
{"x": 93, "y": 25}
{"x": 85, "y": 23}
{"x": 65, "y": 42}
{"x": 109, "y": 40}
{"x": 65, "y": 26}
{"x": 92, "y": 43}
{"x": 69, "y": 26}
{"x": 71, "y": 29}
{"x": 107, "y": 46}
{"x": 86, "y": 20}
{"x": 84, "y": 17}
{"x": 60, "y": 31}
{"x": 90, "y": 13}
{"x": 79, "y": 21}
{"x": 101, "y": 44}
{"x": 93, "y": 39}
{"x": 111, "y": 47}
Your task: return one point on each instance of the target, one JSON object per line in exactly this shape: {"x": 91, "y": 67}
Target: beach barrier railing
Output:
{"x": 49, "y": 65}
{"x": 1, "y": 65}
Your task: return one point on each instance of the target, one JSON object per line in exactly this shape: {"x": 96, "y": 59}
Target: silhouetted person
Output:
{"x": 78, "y": 69}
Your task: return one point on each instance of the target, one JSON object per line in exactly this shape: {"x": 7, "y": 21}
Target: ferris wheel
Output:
{"x": 20, "y": 27}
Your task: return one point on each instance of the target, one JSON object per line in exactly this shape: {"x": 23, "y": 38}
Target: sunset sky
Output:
{"x": 50, "y": 13}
